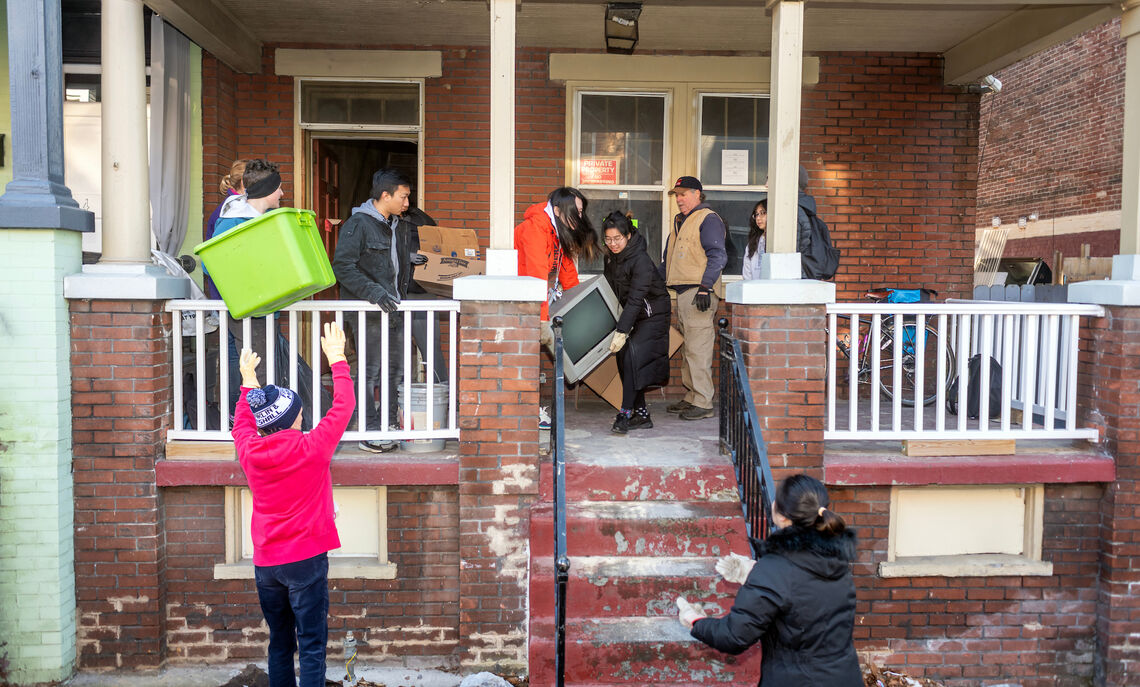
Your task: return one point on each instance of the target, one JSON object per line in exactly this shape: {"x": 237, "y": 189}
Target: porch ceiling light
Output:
{"x": 621, "y": 27}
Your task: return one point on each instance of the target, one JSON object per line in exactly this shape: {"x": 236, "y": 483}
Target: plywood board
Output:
{"x": 959, "y": 447}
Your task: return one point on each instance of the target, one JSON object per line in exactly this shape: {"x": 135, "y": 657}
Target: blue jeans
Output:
{"x": 295, "y": 601}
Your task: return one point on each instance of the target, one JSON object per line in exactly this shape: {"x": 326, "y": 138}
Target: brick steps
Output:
{"x": 646, "y": 522}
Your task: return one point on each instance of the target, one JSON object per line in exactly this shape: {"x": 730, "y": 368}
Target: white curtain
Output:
{"x": 169, "y": 135}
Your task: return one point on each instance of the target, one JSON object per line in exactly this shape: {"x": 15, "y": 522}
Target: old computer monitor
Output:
{"x": 589, "y": 313}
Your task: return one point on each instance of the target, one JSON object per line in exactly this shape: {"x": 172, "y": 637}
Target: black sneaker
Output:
{"x": 621, "y": 424}
{"x": 639, "y": 421}
{"x": 378, "y": 446}
{"x": 678, "y": 407}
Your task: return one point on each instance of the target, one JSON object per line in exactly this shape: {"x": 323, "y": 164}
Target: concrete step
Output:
{"x": 639, "y": 651}
{"x": 615, "y": 586}
{"x": 653, "y": 528}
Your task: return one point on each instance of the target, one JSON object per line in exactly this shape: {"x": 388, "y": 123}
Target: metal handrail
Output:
{"x": 742, "y": 439}
{"x": 558, "y": 455}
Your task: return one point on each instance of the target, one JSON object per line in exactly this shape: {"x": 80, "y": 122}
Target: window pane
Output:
{"x": 646, "y": 209}
{"x": 622, "y": 140}
{"x": 738, "y": 125}
{"x": 734, "y": 207}
{"x": 391, "y": 104}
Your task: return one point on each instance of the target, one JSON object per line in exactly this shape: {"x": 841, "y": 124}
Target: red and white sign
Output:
{"x": 599, "y": 171}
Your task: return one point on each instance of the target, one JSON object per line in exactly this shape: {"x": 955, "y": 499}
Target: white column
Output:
{"x": 126, "y": 208}
{"x": 501, "y": 258}
{"x": 784, "y": 137}
{"x": 1130, "y": 179}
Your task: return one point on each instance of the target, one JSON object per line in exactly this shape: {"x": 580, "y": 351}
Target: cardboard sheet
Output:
{"x": 605, "y": 381}
{"x": 451, "y": 253}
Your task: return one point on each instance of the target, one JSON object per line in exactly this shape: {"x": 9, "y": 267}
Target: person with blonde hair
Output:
{"x": 230, "y": 185}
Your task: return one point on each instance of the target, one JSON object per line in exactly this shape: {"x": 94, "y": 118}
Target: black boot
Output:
{"x": 640, "y": 419}
{"x": 621, "y": 423}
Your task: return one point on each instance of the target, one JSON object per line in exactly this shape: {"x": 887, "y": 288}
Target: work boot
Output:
{"x": 640, "y": 419}
{"x": 696, "y": 413}
{"x": 621, "y": 423}
{"x": 679, "y": 406}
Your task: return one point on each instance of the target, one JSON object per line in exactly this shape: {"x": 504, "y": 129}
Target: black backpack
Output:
{"x": 974, "y": 390}
{"x": 820, "y": 259}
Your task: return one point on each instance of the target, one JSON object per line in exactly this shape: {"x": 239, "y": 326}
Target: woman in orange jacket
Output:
{"x": 551, "y": 237}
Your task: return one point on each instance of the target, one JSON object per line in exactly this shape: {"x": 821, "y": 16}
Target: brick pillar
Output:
{"x": 1111, "y": 399}
{"x": 785, "y": 352}
{"x": 498, "y": 479}
{"x": 121, "y": 379}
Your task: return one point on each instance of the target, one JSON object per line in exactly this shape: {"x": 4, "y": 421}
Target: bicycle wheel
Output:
{"x": 909, "y": 363}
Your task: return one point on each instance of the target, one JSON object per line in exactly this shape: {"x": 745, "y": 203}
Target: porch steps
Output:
{"x": 647, "y": 518}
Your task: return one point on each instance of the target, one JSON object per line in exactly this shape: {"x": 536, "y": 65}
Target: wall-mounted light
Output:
{"x": 621, "y": 27}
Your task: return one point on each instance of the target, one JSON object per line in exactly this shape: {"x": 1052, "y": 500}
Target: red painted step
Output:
{"x": 617, "y": 586}
{"x": 639, "y": 651}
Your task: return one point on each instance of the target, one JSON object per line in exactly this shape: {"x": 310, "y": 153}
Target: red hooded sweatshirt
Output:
{"x": 289, "y": 478}
{"x": 537, "y": 244}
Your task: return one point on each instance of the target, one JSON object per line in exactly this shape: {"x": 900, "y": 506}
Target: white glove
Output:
{"x": 546, "y": 334}
{"x": 688, "y": 613}
{"x": 618, "y": 341}
{"x": 735, "y": 568}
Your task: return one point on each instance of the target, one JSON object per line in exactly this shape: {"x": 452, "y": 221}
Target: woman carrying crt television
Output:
{"x": 642, "y": 338}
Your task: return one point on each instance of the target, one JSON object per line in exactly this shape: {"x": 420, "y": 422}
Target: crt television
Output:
{"x": 589, "y": 313}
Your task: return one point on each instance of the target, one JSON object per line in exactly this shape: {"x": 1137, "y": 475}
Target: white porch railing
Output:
{"x": 896, "y": 381}
{"x": 299, "y": 324}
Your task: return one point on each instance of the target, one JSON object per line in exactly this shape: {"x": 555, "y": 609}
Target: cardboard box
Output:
{"x": 605, "y": 380}
{"x": 451, "y": 253}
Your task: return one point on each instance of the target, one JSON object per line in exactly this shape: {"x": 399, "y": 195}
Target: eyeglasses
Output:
{"x": 759, "y": 214}
{"x": 614, "y": 241}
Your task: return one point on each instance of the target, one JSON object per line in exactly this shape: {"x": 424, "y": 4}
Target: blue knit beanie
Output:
{"x": 274, "y": 407}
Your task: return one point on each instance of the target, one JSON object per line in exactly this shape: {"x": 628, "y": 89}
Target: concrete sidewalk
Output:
{"x": 216, "y": 676}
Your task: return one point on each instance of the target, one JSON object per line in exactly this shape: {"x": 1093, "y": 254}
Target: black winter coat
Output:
{"x": 799, "y": 602}
{"x": 363, "y": 259}
{"x": 632, "y": 274}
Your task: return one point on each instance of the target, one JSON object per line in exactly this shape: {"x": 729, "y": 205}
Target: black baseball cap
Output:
{"x": 687, "y": 182}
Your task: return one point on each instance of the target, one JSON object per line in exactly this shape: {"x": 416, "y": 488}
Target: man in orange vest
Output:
{"x": 693, "y": 259}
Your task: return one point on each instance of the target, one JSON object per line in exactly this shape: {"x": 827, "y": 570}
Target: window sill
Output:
{"x": 966, "y": 565}
{"x": 348, "y": 568}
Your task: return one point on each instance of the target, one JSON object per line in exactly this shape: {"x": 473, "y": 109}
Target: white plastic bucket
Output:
{"x": 419, "y": 416}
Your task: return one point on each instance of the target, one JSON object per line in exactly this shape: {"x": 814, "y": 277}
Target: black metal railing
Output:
{"x": 558, "y": 459}
{"x": 741, "y": 438}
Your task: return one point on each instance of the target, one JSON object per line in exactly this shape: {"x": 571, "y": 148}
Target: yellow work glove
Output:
{"x": 332, "y": 343}
{"x": 618, "y": 342}
{"x": 688, "y": 613}
{"x": 248, "y": 365}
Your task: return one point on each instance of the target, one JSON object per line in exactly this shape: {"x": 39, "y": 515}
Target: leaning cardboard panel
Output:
{"x": 605, "y": 381}
{"x": 451, "y": 253}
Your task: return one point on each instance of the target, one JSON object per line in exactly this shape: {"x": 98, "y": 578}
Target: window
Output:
{"x": 619, "y": 154}
{"x": 733, "y": 154}
{"x": 362, "y": 523}
{"x": 965, "y": 531}
{"x": 362, "y": 104}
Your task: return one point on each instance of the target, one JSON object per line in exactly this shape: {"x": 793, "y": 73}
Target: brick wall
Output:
{"x": 784, "y": 351}
{"x": 893, "y": 156}
{"x": 219, "y": 128}
{"x": 121, "y": 382}
{"x": 404, "y": 619}
{"x": 498, "y": 479}
{"x": 1109, "y": 398}
{"x": 1031, "y": 631}
{"x": 1051, "y": 140}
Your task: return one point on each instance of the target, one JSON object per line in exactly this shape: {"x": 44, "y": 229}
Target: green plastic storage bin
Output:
{"x": 263, "y": 265}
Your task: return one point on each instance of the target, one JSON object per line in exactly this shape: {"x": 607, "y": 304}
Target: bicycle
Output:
{"x": 909, "y": 344}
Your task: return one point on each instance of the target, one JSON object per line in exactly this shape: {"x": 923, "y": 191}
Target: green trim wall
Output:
{"x": 196, "y": 218}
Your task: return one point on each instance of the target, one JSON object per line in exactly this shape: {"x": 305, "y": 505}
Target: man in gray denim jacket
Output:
{"x": 373, "y": 263}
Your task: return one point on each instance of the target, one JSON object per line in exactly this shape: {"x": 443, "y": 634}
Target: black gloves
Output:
{"x": 702, "y": 300}
{"x": 418, "y": 259}
{"x": 389, "y": 305}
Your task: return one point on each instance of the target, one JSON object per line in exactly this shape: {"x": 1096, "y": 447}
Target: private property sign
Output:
{"x": 599, "y": 171}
